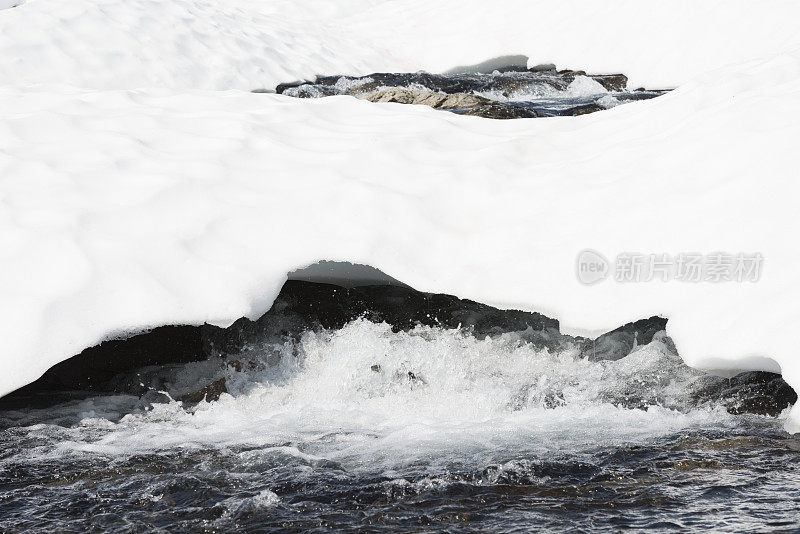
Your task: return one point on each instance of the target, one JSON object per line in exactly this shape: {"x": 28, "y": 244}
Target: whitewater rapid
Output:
{"x": 368, "y": 395}
{"x": 363, "y": 427}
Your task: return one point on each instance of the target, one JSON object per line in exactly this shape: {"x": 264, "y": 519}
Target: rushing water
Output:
{"x": 369, "y": 429}
{"x": 510, "y": 94}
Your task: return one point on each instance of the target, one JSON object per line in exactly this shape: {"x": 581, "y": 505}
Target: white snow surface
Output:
{"x": 142, "y": 184}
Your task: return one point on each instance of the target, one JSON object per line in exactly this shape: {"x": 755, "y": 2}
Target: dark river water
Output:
{"x": 364, "y": 429}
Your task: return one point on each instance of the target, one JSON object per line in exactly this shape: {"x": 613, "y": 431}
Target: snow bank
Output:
{"x": 140, "y": 185}
{"x": 245, "y": 44}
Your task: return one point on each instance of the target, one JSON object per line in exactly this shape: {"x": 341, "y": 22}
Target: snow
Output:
{"x": 142, "y": 184}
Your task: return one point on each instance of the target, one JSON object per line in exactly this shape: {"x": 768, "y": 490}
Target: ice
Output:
{"x": 142, "y": 184}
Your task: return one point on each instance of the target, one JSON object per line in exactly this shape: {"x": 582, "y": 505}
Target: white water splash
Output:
{"x": 365, "y": 395}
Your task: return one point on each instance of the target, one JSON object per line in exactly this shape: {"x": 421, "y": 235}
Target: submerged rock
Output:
{"x": 209, "y": 393}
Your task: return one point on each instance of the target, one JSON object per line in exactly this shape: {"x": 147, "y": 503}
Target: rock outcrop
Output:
{"x": 304, "y": 305}
{"x": 507, "y": 93}
{"x": 462, "y": 103}
{"x": 621, "y": 341}
{"x": 756, "y": 392}
{"x": 301, "y": 306}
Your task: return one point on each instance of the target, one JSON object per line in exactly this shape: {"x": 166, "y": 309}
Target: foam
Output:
{"x": 367, "y": 394}
{"x": 583, "y": 86}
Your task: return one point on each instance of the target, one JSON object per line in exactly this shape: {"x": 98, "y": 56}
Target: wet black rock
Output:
{"x": 611, "y": 82}
{"x": 301, "y": 306}
{"x": 583, "y": 109}
{"x": 209, "y": 393}
{"x": 756, "y": 392}
{"x": 304, "y": 305}
{"x": 93, "y": 368}
{"x": 620, "y": 342}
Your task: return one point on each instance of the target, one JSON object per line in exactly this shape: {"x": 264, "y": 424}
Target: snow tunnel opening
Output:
{"x": 501, "y": 88}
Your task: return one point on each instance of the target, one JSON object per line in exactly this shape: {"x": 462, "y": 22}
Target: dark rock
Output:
{"x": 301, "y": 306}
{"x": 611, "y": 82}
{"x": 756, "y": 392}
{"x": 95, "y": 366}
{"x": 569, "y": 74}
{"x": 304, "y": 305}
{"x": 209, "y": 393}
{"x": 581, "y": 110}
{"x": 620, "y": 342}
{"x": 284, "y": 86}
{"x": 500, "y": 111}
{"x": 544, "y": 67}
